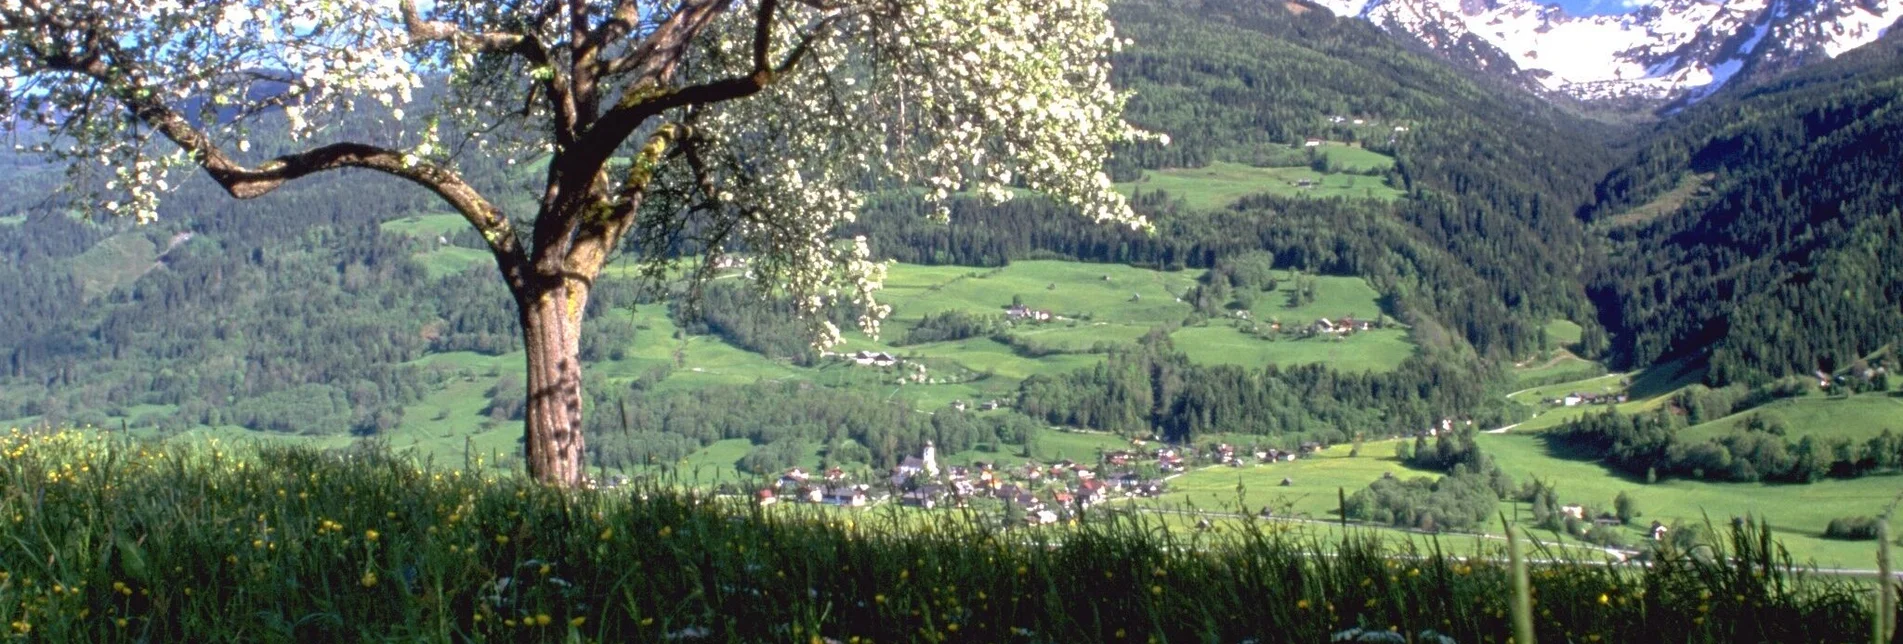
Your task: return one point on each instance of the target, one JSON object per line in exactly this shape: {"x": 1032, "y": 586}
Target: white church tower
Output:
{"x": 930, "y": 456}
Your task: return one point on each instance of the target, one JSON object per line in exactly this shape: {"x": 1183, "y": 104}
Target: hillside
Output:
{"x": 1778, "y": 262}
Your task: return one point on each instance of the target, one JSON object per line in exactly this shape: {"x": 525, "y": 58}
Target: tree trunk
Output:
{"x": 551, "y": 333}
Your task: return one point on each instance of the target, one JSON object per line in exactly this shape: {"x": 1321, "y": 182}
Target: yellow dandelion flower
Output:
{"x": 577, "y": 621}
{"x": 502, "y": 539}
{"x": 1302, "y": 605}
{"x": 371, "y": 535}
{"x": 121, "y": 622}
{"x": 369, "y": 579}
{"x": 1156, "y": 590}
{"x": 542, "y": 619}
{"x": 1604, "y": 599}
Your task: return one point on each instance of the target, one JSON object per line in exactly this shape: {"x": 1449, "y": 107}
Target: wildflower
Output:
{"x": 1120, "y": 633}
{"x": 1603, "y": 599}
{"x": 577, "y": 621}
{"x": 666, "y": 531}
{"x": 607, "y": 534}
{"x": 1156, "y": 590}
{"x": 1302, "y": 605}
{"x": 369, "y": 579}
{"x": 542, "y": 619}
{"x": 22, "y": 626}
{"x": 502, "y": 539}
{"x": 371, "y": 535}
{"x": 121, "y": 622}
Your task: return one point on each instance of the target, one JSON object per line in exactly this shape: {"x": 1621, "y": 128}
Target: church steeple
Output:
{"x": 930, "y": 456}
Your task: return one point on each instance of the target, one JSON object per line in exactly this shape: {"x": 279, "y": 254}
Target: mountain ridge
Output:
{"x": 1666, "y": 54}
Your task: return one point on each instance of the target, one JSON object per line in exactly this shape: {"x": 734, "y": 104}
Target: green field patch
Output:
{"x": 1311, "y": 492}
{"x": 1797, "y": 513}
{"x": 1563, "y": 366}
{"x": 425, "y": 226}
{"x": 1611, "y": 383}
{"x": 1221, "y": 183}
{"x": 1564, "y": 331}
{"x": 986, "y": 355}
{"x": 450, "y": 260}
{"x": 114, "y": 263}
{"x": 1081, "y": 336}
{"x": 1336, "y": 297}
{"x": 1377, "y": 350}
{"x": 1856, "y": 418}
{"x": 1096, "y": 292}
{"x": 1354, "y": 158}
{"x": 1689, "y": 186}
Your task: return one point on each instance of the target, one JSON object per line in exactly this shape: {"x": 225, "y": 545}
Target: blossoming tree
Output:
{"x": 743, "y": 124}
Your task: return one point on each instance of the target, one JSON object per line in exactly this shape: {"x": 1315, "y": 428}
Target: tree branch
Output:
{"x": 244, "y": 182}
{"x": 422, "y": 30}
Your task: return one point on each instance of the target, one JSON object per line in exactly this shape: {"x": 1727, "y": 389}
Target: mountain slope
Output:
{"x": 1782, "y": 259}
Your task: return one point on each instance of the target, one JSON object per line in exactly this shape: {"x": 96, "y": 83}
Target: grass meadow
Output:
{"x": 116, "y": 540}
{"x": 1221, "y": 183}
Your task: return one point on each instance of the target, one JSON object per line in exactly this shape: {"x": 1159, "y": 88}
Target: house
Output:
{"x": 1573, "y": 510}
{"x": 845, "y": 496}
{"x": 793, "y": 479}
{"x": 958, "y": 405}
{"x": 1118, "y": 458}
{"x": 1043, "y": 517}
{"x": 1324, "y": 325}
{"x": 1312, "y": 142}
{"x": 1572, "y": 400}
{"x": 814, "y": 494}
{"x": 1311, "y": 447}
{"x": 989, "y": 405}
{"x": 925, "y": 497}
{"x": 1092, "y": 492}
{"x": 1021, "y": 312}
{"x": 765, "y": 497}
{"x": 1658, "y": 531}
{"x": 1400, "y": 128}
{"x": 1337, "y": 119}
{"x": 873, "y": 358}
{"x": 1361, "y": 121}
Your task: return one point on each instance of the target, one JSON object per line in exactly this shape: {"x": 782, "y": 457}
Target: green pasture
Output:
{"x": 1855, "y": 418}
{"x": 114, "y": 263}
{"x": 1563, "y": 365}
{"x": 425, "y": 226}
{"x": 1798, "y": 513}
{"x": 1221, "y": 183}
{"x": 1354, "y": 158}
{"x": 1378, "y": 350}
{"x": 1564, "y": 331}
{"x": 1336, "y": 297}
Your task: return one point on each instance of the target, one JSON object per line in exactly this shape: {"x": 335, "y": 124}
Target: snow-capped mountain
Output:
{"x": 1668, "y": 50}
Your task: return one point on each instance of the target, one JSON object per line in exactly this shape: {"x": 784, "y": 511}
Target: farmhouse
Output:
{"x": 873, "y": 358}
{"x": 845, "y": 496}
{"x": 1021, "y": 312}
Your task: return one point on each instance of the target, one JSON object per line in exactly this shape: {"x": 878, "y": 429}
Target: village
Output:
{"x": 1031, "y": 494}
